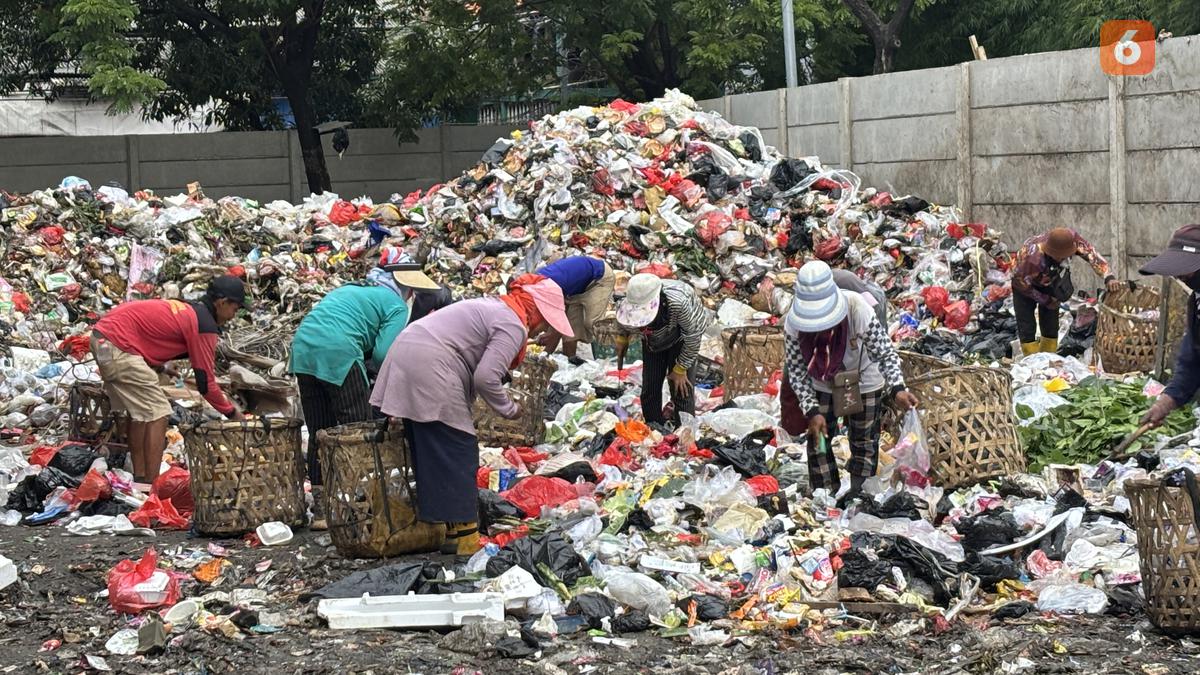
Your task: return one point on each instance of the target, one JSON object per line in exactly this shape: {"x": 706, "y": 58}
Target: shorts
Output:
{"x": 585, "y": 309}
{"x": 131, "y": 384}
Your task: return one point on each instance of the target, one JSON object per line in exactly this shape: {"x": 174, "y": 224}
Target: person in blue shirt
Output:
{"x": 336, "y": 343}
{"x": 587, "y": 285}
{"x": 1182, "y": 261}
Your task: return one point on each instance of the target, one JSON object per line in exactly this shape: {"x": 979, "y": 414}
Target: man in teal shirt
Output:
{"x": 349, "y": 327}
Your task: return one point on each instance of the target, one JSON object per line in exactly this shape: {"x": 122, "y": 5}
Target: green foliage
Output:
{"x": 1099, "y": 415}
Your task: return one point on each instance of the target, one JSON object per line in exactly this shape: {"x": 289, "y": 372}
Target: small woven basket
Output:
{"x": 604, "y": 341}
{"x": 753, "y": 354}
{"x": 245, "y": 474}
{"x": 368, "y": 495}
{"x": 530, "y": 381}
{"x": 1169, "y": 549}
{"x": 968, "y": 419}
{"x": 1127, "y": 328}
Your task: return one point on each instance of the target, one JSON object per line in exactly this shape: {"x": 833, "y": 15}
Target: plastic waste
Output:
{"x": 1072, "y": 598}
{"x": 636, "y": 590}
{"x": 8, "y": 572}
{"x": 135, "y": 587}
{"x": 411, "y": 611}
{"x": 274, "y": 533}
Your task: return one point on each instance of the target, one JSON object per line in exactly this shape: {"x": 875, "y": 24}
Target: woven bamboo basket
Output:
{"x": 530, "y": 381}
{"x": 1127, "y": 328}
{"x": 604, "y": 341}
{"x": 913, "y": 364}
{"x": 1168, "y": 545}
{"x": 753, "y": 354}
{"x": 92, "y": 418}
{"x": 368, "y": 493}
{"x": 244, "y": 475}
{"x": 969, "y": 425}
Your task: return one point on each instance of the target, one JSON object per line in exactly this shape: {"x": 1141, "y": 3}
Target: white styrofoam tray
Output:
{"x": 411, "y": 611}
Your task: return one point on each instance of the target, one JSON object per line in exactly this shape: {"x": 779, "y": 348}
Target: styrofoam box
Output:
{"x": 411, "y": 611}
{"x": 8, "y": 572}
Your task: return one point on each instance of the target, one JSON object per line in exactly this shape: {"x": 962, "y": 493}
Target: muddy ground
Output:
{"x": 61, "y": 577}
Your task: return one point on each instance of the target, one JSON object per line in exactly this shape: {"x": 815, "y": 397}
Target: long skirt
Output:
{"x": 445, "y": 461}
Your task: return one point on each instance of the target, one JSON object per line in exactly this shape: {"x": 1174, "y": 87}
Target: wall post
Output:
{"x": 1117, "y": 196}
{"x": 845, "y": 125}
{"x": 962, "y": 115}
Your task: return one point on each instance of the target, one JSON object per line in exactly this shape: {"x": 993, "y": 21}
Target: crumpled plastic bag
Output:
{"x": 135, "y": 587}
{"x": 532, "y": 493}
{"x": 911, "y": 452}
{"x": 175, "y": 485}
{"x": 160, "y": 513}
{"x": 93, "y": 488}
{"x": 636, "y": 590}
{"x": 736, "y": 422}
{"x": 551, "y": 550}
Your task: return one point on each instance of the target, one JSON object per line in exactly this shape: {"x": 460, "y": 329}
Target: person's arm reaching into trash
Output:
{"x": 1085, "y": 250}
{"x": 879, "y": 346}
{"x": 797, "y": 374}
{"x": 503, "y": 347}
{"x": 202, "y": 349}
{"x": 622, "y": 341}
{"x": 1025, "y": 270}
{"x": 395, "y": 322}
{"x": 1185, "y": 382}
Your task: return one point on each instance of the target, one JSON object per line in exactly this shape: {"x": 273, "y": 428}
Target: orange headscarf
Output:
{"x": 522, "y": 304}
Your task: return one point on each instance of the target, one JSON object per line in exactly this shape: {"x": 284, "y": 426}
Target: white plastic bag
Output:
{"x": 1072, "y": 599}
{"x": 639, "y": 591}
{"x": 911, "y": 452}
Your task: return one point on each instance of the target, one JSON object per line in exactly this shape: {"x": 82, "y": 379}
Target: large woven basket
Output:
{"x": 92, "y": 419}
{"x": 1127, "y": 328}
{"x": 967, "y": 415}
{"x": 1170, "y": 554}
{"x": 753, "y": 354}
{"x": 368, "y": 494}
{"x": 530, "y": 381}
{"x": 913, "y": 364}
{"x": 604, "y": 341}
{"x": 244, "y": 475}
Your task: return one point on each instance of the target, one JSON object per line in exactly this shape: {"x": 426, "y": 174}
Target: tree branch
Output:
{"x": 867, "y": 16}
{"x": 899, "y": 17}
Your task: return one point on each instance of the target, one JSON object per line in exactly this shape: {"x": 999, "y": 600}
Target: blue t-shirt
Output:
{"x": 574, "y": 274}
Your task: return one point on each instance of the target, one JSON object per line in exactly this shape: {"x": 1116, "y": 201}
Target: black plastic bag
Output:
{"x": 988, "y": 529}
{"x": 557, "y": 396}
{"x": 549, "y": 549}
{"x": 899, "y": 505}
{"x": 444, "y": 587}
{"x": 708, "y": 607}
{"x": 747, "y": 458}
{"x": 74, "y": 459}
{"x": 31, "y": 493}
{"x": 717, "y": 187}
{"x": 595, "y": 607}
{"x": 574, "y": 471}
{"x": 862, "y": 568}
{"x": 640, "y": 519}
{"x": 634, "y": 621}
{"x": 789, "y": 172}
{"x": 495, "y": 154}
{"x": 515, "y": 648}
{"x": 907, "y": 206}
{"x": 105, "y": 507}
{"x": 1124, "y": 600}
{"x": 991, "y": 570}
{"x": 599, "y": 444}
{"x": 1013, "y": 610}
{"x": 493, "y": 508}
{"x": 1011, "y": 488}
{"x": 750, "y": 143}
{"x": 496, "y": 247}
{"x": 396, "y": 579}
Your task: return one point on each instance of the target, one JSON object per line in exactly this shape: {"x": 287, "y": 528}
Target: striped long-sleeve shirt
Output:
{"x": 686, "y": 320}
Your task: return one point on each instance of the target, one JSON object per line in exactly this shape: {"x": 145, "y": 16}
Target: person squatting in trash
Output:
{"x": 672, "y": 321}
{"x": 135, "y": 341}
{"x": 343, "y": 340}
{"x": 792, "y": 418}
{"x": 431, "y": 376}
{"x": 1182, "y": 261}
{"x": 1041, "y": 282}
{"x": 831, "y": 332}
{"x": 587, "y": 284}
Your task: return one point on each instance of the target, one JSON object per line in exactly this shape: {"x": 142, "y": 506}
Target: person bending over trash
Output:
{"x": 430, "y": 378}
{"x": 587, "y": 284}
{"x": 1182, "y": 261}
{"x": 134, "y": 342}
{"x": 344, "y": 338}
{"x": 672, "y": 322}
{"x": 841, "y": 364}
{"x": 1041, "y": 281}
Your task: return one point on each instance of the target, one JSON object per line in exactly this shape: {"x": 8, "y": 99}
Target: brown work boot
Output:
{"x": 319, "y": 521}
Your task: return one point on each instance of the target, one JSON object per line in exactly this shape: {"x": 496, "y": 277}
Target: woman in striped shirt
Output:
{"x": 671, "y": 320}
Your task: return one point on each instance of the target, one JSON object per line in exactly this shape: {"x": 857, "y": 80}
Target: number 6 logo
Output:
{"x": 1127, "y": 47}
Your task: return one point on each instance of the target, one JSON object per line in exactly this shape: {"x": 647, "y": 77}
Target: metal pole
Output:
{"x": 1164, "y": 317}
{"x": 789, "y": 44}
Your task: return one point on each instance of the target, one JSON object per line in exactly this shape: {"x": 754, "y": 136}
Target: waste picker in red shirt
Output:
{"x": 134, "y": 342}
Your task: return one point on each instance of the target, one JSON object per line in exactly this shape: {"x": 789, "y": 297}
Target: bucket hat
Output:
{"x": 642, "y": 297}
{"x": 818, "y": 304}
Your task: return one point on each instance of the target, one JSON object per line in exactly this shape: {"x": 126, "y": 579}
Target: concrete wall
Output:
{"x": 262, "y": 165}
{"x": 1022, "y": 143}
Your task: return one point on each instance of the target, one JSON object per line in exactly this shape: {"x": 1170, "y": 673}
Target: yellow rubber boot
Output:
{"x": 467, "y": 537}
{"x": 1049, "y": 345}
{"x": 1028, "y": 348}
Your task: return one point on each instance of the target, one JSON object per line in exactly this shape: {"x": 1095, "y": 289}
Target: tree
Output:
{"x": 884, "y": 36}
{"x": 230, "y": 59}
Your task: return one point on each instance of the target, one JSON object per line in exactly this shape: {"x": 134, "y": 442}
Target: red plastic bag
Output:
{"x": 687, "y": 192}
{"x": 621, "y": 105}
{"x": 93, "y": 488}
{"x": 712, "y": 226}
{"x": 158, "y": 588}
{"x": 343, "y": 213}
{"x": 936, "y": 299}
{"x": 158, "y": 511}
{"x": 659, "y": 270}
{"x": 176, "y": 486}
{"x": 482, "y": 477}
{"x": 43, "y": 454}
{"x": 618, "y": 454}
{"x": 774, "y": 384}
{"x": 958, "y": 314}
{"x": 532, "y": 493}
{"x": 828, "y": 249}
{"x": 763, "y": 485}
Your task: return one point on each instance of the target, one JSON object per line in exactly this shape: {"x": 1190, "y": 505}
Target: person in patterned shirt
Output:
{"x": 1041, "y": 281}
{"x": 830, "y": 331}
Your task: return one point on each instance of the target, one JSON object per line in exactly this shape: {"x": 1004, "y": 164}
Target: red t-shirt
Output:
{"x": 166, "y": 330}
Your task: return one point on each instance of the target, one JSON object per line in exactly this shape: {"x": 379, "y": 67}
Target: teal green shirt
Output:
{"x": 349, "y": 325}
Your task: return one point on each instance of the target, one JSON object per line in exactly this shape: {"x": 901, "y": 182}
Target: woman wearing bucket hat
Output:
{"x": 672, "y": 321}
{"x": 840, "y": 362}
{"x": 346, "y": 336}
{"x": 1041, "y": 281}
{"x": 431, "y": 376}
{"x": 1182, "y": 261}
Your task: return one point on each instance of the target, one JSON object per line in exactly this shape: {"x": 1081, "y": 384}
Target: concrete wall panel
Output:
{"x": 1176, "y": 68}
{"x": 814, "y": 104}
{"x": 1163, "y": 175}
{"x": 1041, "y": 128}
{"x": 937, "y": 179}
{"x": 1041, "y": 179}
{"x": 30, "y": 178}
{"x": 821, "y": 140}
{"x": 225, "y": 145}
{"x": 1163, "y": 121}
{"x": 266, "y": 171}
{"x": 914, "y": 92}
{"x": 1151, "y": 225}
{"x": 905, "y": 139}
{"x": 56, "y": 150}
{"x": 760, "y": 109}
{"x": 1038, "y": 78}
